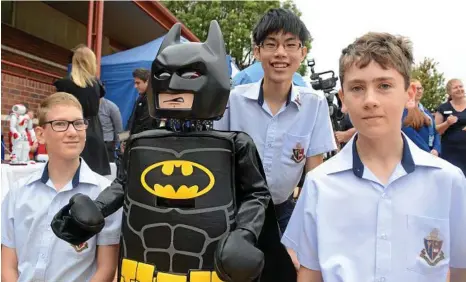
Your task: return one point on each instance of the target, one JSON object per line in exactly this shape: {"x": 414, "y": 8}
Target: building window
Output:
{"x": 8, "y": 12}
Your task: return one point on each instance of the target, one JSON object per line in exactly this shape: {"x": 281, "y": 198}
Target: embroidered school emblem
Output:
{"x": 298, "y": 153}
{"x": 81, "y": 247}
{"x": 432, "y": 253}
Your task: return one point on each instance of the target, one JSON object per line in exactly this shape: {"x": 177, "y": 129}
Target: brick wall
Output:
{"x": 20, "y": 90}
{"x": 17, "y": 89}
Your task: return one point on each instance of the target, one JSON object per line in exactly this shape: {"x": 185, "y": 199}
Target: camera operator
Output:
{"x": 346, "y": 130}
{"x": 328, "y": 87}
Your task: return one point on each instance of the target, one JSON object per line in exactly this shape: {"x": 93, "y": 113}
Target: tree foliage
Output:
{"x": 236, "y": 18}
{"x": 432, "y": 81}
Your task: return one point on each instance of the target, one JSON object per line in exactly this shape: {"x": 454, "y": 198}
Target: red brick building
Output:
{"x": 37, "y": 38}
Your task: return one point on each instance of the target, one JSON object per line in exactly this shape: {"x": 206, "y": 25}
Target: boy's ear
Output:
{"x": 303, "y": 53}
{"x": 411, "y": 94}
{"x": 257, "y": 54}
{"x": 40, "y": 134}
{"x": 341, "y": 96}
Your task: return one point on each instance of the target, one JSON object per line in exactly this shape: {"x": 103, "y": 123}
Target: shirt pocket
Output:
{"x": 294, "y": 149}
{"x": 428, "y": 249}
{"x": 85, "y": 251}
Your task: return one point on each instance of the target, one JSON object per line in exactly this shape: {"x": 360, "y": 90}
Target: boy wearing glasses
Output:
{"x": 30, "y": 250}
{"x": 290, "y": 125}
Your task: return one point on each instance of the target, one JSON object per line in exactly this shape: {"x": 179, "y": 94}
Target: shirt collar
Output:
{"x": 407, "y": 161}
{"x": 83, "y": 175}
{"x": 256, "y": 92}
{"x": 348, "y": 158}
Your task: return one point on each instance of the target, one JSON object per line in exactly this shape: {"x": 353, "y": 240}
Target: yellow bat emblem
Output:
{"x": 173, "y": 191}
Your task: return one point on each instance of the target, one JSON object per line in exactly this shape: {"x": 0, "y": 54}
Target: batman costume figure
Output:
{"x": 196, "y": 206}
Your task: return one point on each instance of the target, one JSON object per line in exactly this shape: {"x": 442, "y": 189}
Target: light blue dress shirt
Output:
{"x": 28, "y": 210}
{"x": 299, "y": 130}
{"x": 353, "y": 228}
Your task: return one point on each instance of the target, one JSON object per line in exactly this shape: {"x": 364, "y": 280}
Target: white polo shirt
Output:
{"x": 352, "y": 228}
{"x": 27, "y": 212}
{"x": 300, "y": 129}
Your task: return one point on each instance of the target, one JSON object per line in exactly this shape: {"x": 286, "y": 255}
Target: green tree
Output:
{"x": 432, "y": 81}
{"x": 236, "y": 18}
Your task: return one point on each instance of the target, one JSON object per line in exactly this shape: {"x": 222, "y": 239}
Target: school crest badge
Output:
{"x": 298, "y": 153}
{"x": 432, "y": 253}
{"x": 81, "y": 247}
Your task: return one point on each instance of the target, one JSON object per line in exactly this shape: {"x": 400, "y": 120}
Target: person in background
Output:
{"x": 110, "y": 118}
{"x": 451, "y": 124}
{"x": 87, "y": 88}
{"x": 140, "y": 119}
{"x": 419, "y": 124}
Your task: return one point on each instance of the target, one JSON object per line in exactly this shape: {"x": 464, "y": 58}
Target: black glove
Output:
{"x": 78, "y": 221}
{"x": 237, "y": 259}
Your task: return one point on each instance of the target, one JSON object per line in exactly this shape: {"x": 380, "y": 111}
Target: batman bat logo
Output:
{"x": 182, "y": 183}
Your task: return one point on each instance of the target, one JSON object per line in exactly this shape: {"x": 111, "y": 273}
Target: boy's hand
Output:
{"x": 434, "y": 152}
{"x": 294, "y": 258}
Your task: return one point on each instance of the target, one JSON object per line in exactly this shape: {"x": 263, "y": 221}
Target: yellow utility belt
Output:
{"x": 133, "y": 271}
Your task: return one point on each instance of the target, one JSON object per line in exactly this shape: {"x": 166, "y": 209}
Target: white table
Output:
{"x": 11, "y": 173}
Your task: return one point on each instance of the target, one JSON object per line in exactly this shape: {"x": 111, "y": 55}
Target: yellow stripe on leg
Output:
{"x": 199, "y": 276}
{"x": 167, "y": 277}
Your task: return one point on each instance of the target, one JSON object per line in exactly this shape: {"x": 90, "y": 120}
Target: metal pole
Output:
{"x": 98, "y": 41}
{"x": 90, "y": 22}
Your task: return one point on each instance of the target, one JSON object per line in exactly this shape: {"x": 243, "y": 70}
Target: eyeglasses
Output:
{"x": 271, "y": 46}
{"x": 62, "y": 125}
{"x": 419, "y": 88}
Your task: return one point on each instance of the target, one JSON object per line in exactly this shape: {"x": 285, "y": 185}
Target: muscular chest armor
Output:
{"x": 179, "y": 201}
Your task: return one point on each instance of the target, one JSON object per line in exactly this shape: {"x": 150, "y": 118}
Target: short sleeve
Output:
{"x": 458, "y": 221}
{"x": 322, "y": 137}
{"x": 110, "y": 235}
{"x": 224, "y": 123}
{"x": 301, "y": 232}
{"x": 8, "y": 222}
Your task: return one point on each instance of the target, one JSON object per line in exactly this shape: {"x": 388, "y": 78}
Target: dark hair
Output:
{"x": 279, "y": 20}
{"x": 142, "y": 74}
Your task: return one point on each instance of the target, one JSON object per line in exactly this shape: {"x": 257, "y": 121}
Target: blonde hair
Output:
{"x": 450, "y": 84}
{"x": 83, "y": 67}
{"x": 388, "y": 50}
{"x": 59, "y": 98}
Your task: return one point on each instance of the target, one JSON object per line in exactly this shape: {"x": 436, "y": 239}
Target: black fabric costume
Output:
{"x": 196, "y": 206}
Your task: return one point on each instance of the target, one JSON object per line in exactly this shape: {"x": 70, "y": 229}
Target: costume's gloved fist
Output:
{"x": 237, "y": 259}
{"x": 78, "y": 221}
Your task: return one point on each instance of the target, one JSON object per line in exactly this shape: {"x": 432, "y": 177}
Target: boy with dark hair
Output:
{"x": 140, "y": 120}
{"x": 291, "y": 125}
{"x": 382, "y": 209}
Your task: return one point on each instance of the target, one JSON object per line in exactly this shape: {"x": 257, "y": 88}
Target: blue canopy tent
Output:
{"x": 117, "y": 69}
{"x": 254, "y": 73}
{"x": 117, "y": 74}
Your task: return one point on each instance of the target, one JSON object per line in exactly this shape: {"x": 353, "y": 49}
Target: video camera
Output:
{"x": 328, "y": 87}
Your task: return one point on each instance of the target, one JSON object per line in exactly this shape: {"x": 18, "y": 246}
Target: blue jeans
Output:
{"x": 283, "y": 212}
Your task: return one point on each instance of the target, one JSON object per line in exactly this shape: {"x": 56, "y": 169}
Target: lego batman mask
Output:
{"x": 189, "y": 81}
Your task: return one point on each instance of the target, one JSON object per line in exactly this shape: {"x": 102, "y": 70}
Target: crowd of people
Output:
{"x": 389, "y": 206}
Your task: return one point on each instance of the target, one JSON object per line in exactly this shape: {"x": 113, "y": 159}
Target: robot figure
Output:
{"x": 196, "y": 206}
{"x": 20, "y": 125}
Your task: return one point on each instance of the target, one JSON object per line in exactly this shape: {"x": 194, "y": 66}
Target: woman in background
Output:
{"x": 86, "y": 87}
{"x": 419, "y": 124}
{"x": 451, "y": 124}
